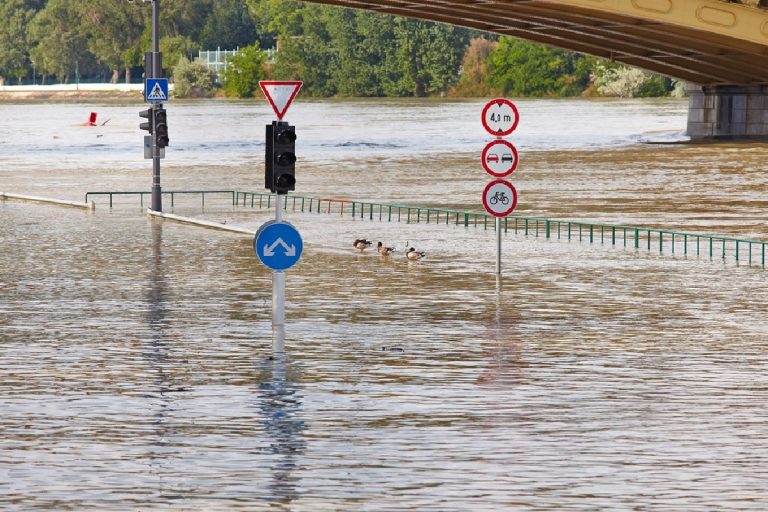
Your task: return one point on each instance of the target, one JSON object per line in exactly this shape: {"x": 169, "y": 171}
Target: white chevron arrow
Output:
{"x": 269, "y": 250}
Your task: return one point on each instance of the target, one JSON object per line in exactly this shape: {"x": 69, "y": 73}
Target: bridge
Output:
{"x": 720, "y": 48}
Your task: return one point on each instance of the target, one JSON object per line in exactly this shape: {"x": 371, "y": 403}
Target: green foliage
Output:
{"x": 358, "y": 53}
{"x": 626, "y": 82}
{"x": 655, "y": 86}
{"x": 473, "y": 82}
{"x": 176, "y": 48}
{"x": 60, "y": 43}
{"x": 15, "y": 17}
{"x": 522, "y": 68}
{"x": 243, "y": 72}
{"x": 334, "y": 51}
{"x": 228, "y": 26}
{"x": 192, "y": 79}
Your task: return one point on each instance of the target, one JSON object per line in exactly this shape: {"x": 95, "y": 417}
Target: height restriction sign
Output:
{"x": 500, "y": 117}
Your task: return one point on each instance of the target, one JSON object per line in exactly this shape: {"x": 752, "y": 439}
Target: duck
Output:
{"x": 383, "y": 250}
{"x": 413, "y": 255}
{"x": 361, "y": 244}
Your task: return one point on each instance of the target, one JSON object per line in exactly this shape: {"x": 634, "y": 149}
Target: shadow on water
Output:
{"x": 280, "y": 405}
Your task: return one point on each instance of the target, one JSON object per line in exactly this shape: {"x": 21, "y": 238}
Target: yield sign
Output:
{"x": 280, "y": 94}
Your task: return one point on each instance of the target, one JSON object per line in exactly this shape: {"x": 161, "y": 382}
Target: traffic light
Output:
{"x": 161, "y": 127}
{"x": 269, "y": 166}
{"x": 146, "y": 114}
{"x": 283, "y": 157}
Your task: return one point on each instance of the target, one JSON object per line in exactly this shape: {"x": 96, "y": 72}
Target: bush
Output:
{"x": 473, "y": 80}
{"x": 626, "y": 82}
{"x": 192, "y": 79}
{"x": 243, "y": 72}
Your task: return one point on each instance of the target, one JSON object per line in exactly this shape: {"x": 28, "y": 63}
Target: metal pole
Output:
{"x": 498, "y": 245}
{"x": 278, "y": 293}
{"x": 155, "y": 72}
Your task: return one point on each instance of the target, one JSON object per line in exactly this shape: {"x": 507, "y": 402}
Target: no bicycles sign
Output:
{"x": 499, "y": 198}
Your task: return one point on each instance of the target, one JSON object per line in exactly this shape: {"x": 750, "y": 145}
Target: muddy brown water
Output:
{"x": 136, "y": 354}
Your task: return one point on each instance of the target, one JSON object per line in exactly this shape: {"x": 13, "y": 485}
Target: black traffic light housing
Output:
{"x": 280, "y": 158}
{"x": 146, "y": 114}
{"x": 161, "y": 126}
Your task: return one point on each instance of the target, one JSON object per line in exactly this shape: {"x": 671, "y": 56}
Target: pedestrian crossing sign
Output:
{"x": 156, "y": 90}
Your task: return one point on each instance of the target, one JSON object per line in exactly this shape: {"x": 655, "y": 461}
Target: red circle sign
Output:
{"x": 499, "y": 158}
{"x": 499, "y": 198}
{"x": 500, "y": 117}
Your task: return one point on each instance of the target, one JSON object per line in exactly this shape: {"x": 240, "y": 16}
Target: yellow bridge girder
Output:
{"x": 706, "y": 42}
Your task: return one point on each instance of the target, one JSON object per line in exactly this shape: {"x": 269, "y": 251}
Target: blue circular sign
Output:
{"x": 278, "y": 245}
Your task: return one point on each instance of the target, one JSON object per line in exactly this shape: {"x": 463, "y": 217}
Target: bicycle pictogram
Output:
{"x": 499, "y": 196}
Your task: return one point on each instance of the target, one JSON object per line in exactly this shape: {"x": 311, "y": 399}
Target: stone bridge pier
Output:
{"x": 728, "y": 112}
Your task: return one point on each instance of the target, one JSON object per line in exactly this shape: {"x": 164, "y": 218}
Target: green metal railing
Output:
{"x": 671, "y": 241}
{"x": 636, "y": 237}
{"x": 172, "y": 193}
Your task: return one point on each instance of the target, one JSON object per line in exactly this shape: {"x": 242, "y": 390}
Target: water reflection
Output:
{"x": 156, "y": 354}
{"x": 503, "y": 343}
{"x": 280, "y": 404}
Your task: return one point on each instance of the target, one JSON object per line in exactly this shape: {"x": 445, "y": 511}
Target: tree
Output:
{"x": 228, "y": 26}
{"x": 523, "y": 68}
{"x": 61, "y": 46}
{"x": 15, "y": 17}
{"x": 243, "y": 72}
{"x": 115, "y": 29}
{"x": 474, "y": 66}
{"x": 176, "y": 48}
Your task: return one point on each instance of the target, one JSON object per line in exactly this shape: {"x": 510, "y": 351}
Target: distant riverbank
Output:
{"x": 69, "y": 91}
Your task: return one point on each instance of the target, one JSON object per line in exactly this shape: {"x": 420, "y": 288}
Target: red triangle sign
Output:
{"x": 280, "y": 94}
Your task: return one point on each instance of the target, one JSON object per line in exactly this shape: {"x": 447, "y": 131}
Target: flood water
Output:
{"x": 136, "y": 354}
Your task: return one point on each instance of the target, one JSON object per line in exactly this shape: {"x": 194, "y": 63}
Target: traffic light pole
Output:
{"x": 155, "y": 72}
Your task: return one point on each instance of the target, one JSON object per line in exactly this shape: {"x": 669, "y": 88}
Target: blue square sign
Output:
{"x": 156, "y": 90}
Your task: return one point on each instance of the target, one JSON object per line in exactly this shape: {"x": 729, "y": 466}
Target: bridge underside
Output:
{"x": 695, "y": 48}
{"x": 722, "y": 47}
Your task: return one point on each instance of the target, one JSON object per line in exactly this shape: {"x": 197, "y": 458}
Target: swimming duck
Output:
{"x": 413, "y": 255}
{"x": 361, "y": 244}
{"x": 385, "y": 251}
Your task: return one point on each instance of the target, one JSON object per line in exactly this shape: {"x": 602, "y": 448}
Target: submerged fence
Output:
{"x": 651, "y": 239}
{"x": 663, "y": 241}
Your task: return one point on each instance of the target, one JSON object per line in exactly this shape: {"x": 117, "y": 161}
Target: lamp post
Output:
{"x": 153, "y": 69}
{"x": 156, "y": 72}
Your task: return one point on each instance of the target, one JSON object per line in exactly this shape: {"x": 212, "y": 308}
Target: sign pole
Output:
{"x": 278, "y": 290}
{"x": 277, "y": 244}
{"x": 498, "y": 245}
